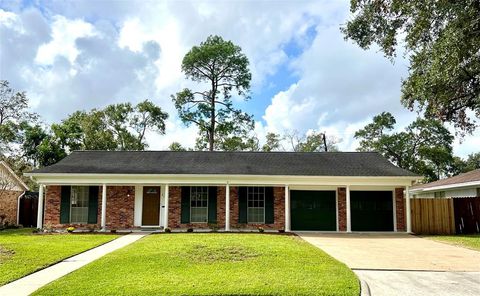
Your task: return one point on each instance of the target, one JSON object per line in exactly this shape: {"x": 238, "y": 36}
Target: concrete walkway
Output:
{"x": 34, "y": 281}
{"x": 402, "y": 264}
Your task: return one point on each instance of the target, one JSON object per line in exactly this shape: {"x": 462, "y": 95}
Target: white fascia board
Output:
{"x": 132, "y": 179}
{"x": 443, "y": 187}
{"x": 12, "y": 173}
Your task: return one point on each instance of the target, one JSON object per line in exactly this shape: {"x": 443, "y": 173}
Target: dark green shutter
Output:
{"x": 212, "y": 204}
{"x": 269, "y": 211}
{"x": 242, "y": 205}
{"x": 185, "y": 211}
{"x": 92, "y": 204}
{"x": 65, "y": 205}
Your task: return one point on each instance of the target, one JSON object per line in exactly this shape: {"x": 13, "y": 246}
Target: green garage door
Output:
{"x": 313, "y": 210}
{"x": 371, "y": 210}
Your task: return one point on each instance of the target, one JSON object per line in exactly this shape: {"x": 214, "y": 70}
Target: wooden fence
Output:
{"x": 432, "y": 216}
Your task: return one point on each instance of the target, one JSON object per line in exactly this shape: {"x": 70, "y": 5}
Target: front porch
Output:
{"x": 222, "y": 207}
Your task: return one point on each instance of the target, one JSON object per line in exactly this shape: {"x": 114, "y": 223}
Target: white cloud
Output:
{"x": 64, "y": 34}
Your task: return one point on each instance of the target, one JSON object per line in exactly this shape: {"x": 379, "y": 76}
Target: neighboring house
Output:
{"x": 463, "y": 185}
{"x": 334, "y": 191}
{"x": 11, "y": 189}
{"x": 448, "y": 206}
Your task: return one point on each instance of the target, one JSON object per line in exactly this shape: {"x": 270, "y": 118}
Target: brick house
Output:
{"x": 334, "y": 191}
{"x": 11, "y": 189}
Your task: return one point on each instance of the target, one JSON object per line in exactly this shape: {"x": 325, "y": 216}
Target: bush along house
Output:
{"x": 331, "y": 191}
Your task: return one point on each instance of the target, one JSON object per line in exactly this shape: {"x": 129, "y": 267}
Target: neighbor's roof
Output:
{"x": 460, "y": 180}
{"x": 5, "y": 169}
{"x": 226, "y": 163}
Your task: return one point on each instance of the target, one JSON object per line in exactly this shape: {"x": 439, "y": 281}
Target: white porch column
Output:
{"x": 40, "y": 207}
{"x": 349, "y": 216}
{"x": 409, "y": 211}
{"x": 165, "y": 216}
{"x": 227, "y": 207}
{"x": 287, "y": 209}
{"x": 104, "y": 207}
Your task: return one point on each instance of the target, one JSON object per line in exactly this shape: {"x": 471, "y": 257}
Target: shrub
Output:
{"x": 70, "y": 229}
{"x": 260, "y": 229}
{"x": 113, "y": 231}
{"x": 167, "y": 230}
{"x": 190, "y": 230}
{"x": 281, "y": 230}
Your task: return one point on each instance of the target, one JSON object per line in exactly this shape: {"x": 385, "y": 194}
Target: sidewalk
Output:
{"x": 34, "y": 281}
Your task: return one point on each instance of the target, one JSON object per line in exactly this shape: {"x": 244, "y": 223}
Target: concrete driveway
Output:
{"x": 402, "y": 264}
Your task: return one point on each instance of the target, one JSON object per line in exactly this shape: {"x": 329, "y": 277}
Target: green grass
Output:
{"x": 211, "y": 264}
{"x": 22, "y": 252}
{"x": 471, "y": 241}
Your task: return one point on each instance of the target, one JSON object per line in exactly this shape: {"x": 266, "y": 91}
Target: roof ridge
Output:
{"x": 201, "y": 151}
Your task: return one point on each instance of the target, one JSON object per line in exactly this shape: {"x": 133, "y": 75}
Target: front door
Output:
{"x": 151, "y": 206}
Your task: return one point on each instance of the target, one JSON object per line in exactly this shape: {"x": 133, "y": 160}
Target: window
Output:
{"x": 255, "y": 204}
{"x": 79, "y": 204}
{"x": 439, "y": 194}
{"x": 198, "y": 204}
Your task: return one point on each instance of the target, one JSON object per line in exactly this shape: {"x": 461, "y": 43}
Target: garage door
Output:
{"x": 313, "y": 210}
{"x": 371, "y": 210}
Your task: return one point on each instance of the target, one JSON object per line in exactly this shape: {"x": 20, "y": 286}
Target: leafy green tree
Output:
{"x": 273, "y": 142}
{"x": 13, "y": 113}
{"x": 424, "y": 147}
{"x": 33, "y": 136}
{"x": 221, "y": 68}
{"x": 117, "y": 127}
{"x": 459, "y": 165}
{"x": 442, "y": 41}
{"x": 311, "y": 142}
{"x": 175, "y": 146}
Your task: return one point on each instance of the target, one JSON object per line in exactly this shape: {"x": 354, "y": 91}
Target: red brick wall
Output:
{"x": 120, "y": 208}
{"x": 400, "y": 209}
{"x": 9, "y": 205}
{"x": 174, "y": 216}
{"x": 342, "y": 208}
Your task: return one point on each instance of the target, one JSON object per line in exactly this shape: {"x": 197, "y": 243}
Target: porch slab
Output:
{"x": 30, "y": 283}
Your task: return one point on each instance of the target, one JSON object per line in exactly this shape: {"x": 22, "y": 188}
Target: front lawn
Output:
{"x": 211, "y": 264}
{"x": 22, "y": 252}
{"x": 471, "y": 241}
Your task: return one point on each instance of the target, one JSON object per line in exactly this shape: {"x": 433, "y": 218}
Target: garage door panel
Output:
{"x": 371, "y": 210}
{"x": 313, "y": 210}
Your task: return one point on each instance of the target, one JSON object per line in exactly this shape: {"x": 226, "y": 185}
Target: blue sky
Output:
{"x": 71, "y": 55}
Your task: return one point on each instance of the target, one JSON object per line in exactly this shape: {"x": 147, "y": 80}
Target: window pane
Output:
{"x": 79, "y": 204}
{"x": 199, "y": 204}
{"x": 255, "y": 204}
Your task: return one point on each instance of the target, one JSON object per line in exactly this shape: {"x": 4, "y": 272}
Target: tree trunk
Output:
{"x": 211, "y": 136}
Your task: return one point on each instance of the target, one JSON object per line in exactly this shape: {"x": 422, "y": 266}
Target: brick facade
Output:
{"x": 400, "y": 209}
{"x": 9, "y": 205}
{"x": 120, "y": 208}
{"x": 174, "y": 216}
{"x": 342, "y": 208}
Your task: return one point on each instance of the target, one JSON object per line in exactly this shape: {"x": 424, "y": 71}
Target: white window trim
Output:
{"x": 191, "y": 222}
{"x": 88, "y": 197}
{"x": 264, "y": 200}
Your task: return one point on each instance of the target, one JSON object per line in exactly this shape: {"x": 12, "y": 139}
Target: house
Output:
{"x": 463, "y": 185}
{"x": 12, "y": 188}
{"x": 334, "y": 191}
{"x": 448, "y": 206}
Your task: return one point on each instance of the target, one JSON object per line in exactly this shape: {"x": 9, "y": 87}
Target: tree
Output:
{"x": 425, "y": 147}
{"x": 222, "y": 68}
{"x": 33, "y": 136}
{"x": 442, "y": 40}
{"x": 116, "y": 127}
{"x": 175, "y": 146}
{"x": 459, "y": 165}
{"x": 13, "y": 112}
{"x": 273, "y": 142}
{"x": 311, "y": 142}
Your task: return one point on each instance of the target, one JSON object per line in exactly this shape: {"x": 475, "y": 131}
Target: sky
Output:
{"x": 79, "y": 55}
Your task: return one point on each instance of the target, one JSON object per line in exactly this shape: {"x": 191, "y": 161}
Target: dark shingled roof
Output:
{"x": 227, "y": 163}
